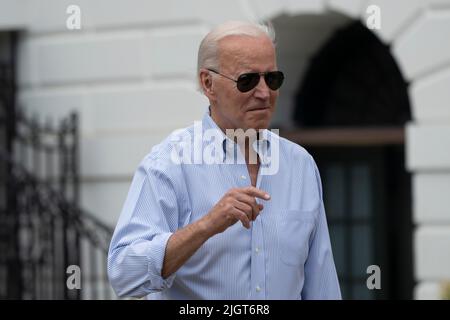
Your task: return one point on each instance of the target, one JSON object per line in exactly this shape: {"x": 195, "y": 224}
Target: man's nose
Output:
{"x": 262, "y": 90}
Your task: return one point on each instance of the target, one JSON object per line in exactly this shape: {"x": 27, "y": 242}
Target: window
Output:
{"x": 351, "y": 108}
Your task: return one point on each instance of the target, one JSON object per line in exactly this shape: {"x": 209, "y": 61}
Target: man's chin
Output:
{"x": 258, "y": 125}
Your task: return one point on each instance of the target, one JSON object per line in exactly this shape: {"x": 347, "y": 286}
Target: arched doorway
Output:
{"x": 350, "y": 110}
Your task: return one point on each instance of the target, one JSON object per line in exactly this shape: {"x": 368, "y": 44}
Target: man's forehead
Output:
{"x": 245, "y": 49}
{"x": 242, "y": 43}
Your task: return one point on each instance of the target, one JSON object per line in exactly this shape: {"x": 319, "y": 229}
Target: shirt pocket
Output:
{"x": 294, "y": 233}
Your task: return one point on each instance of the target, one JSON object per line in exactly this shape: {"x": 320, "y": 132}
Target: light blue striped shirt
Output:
{"x": 286, "y": 254}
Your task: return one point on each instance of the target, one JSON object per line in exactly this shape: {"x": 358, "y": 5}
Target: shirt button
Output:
{"x": 258, "y": 288}
{"x": 243, "y": 177}
{"x": 257, "y": 250}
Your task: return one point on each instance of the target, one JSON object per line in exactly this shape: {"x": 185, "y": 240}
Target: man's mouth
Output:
{"x": 258, "y": 108}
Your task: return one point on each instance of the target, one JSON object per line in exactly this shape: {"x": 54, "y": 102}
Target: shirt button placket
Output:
{"x": 243, "y": 180}
{"x": 258, "y": 265}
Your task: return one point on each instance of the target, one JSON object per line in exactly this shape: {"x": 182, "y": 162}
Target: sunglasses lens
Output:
{"x": 274, "y": 79}
{"x": 247, "y": 81}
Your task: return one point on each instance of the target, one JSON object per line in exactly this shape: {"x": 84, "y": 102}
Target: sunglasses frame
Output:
{"x": 264, "y": 74}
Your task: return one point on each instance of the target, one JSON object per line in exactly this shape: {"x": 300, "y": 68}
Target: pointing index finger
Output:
{"x": 255, "y": 192}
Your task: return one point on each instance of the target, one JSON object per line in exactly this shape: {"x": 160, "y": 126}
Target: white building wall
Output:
{"x": 130, "y": 73}
{"x": 423, "y": 52}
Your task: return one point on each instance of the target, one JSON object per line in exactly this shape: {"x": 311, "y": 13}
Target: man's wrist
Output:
{"x": 205, "y": 228}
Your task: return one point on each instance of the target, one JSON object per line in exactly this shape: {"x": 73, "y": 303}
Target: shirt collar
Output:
{"x": 261, "y": 146}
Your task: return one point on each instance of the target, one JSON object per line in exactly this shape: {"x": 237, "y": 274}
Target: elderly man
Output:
{"x": 178, "y": 236}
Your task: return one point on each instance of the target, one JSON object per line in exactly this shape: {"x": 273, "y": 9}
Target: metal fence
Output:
{"x": 43, "y": 230}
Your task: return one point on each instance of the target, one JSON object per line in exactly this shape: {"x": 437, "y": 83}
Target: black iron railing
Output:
{"x": 43, "y": 230}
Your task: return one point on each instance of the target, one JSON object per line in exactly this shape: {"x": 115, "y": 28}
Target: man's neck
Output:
{"x": 245, "y": 145}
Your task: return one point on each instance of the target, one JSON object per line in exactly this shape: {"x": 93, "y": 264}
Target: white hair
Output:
{"x": 208, "y": 56}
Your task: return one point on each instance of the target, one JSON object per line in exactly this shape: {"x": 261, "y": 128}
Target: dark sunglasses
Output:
{"x": 247, "y": 81}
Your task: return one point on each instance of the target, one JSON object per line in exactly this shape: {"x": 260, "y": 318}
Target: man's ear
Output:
{"x": 206, "y": 83}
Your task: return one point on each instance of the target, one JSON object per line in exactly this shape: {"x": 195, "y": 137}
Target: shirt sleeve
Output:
{"x": 149, "y": 217}
{"x": 321, "y": 281}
